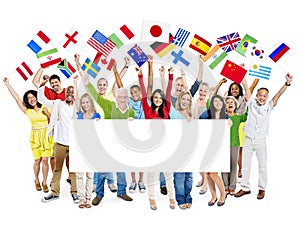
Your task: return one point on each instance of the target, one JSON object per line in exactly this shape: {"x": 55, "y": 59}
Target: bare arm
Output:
{"x": 37, "y": 77}
{"x": 246, "y": 89}
{"x": 253, "y": 85}
{"x": 185, "y": 86}
{"x": 289, "y": 79}
{"x": 118, "y": 83}
{"x": 217, "y": 87}
{"x": 200, "y": 70}
{"x": 77, "y": 57}
{"x": 162, "y": 78}
{"x": 76, "y": 95}
{"x": 14, "y": 94}
{"x": 150, "y": 76}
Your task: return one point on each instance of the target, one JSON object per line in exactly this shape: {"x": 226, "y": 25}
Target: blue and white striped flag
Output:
{"x": 260, "y": 71}
{"x": 180, "y": 37}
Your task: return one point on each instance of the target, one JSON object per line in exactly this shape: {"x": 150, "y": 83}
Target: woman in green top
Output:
{"x": 230, "y": 179}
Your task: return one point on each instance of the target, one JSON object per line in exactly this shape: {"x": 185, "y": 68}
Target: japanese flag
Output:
{"x": 155, "y": 31}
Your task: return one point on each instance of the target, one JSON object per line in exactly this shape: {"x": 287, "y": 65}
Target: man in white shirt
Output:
{"x": 256, "y": 130}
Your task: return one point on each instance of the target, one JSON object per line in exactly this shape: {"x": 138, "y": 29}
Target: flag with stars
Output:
{"x": 137, "y": 54}
{"x": 233, "y": 72}
{"x": 242, "y": 46}
{"x": 101, "y": 43}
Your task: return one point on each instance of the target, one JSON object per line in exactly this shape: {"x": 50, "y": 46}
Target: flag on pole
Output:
{"x": 214, "y": 57}
{"x": 121, "y": 36}
{"x": 200, "y": 45}
{"x": 48, "y": 58}
{"x": 229, "y": 42}
{"x": 66, "y": 68}
{"x": 91, "y": 68}
{"x": 23, "y": 70}
{"x": 242, "y": 46}
{"x": 279, "y": 52}
{"x": 233, "y": 72}
{"x": 38, "y": 42}
{"x": 137, "y": 54}
{"x": 260, "y": 71}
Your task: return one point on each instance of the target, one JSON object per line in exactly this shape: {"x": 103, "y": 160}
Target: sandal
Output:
{"x": 153, "y": 205}
{"x": 172, "y": 204}
{"x": 81, "y": 205}
{"x": 182, "y": 206}
{"x": 188, "y": 205}
{"x": 88, "y": 204}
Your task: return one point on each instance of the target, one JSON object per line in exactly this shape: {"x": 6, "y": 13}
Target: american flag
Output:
{"x": 101, "y": 43}
{"x": 229, "y": 42}
{"x": 180, "y": 37}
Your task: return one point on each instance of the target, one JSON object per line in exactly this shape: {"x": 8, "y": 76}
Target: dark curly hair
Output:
{"x": 241, "y": 92}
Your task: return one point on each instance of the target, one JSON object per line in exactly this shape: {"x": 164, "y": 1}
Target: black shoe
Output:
{"x": 163, "y": 190}
{"x": 125, "y": 197}
{"x": 75, "y": 198}
{"x": 49, "y": 198}
{"x": 212, "y": 203}
{"x": 69, "y": 181}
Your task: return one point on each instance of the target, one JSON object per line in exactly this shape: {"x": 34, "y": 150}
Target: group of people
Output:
{"x": 50, "y": 111}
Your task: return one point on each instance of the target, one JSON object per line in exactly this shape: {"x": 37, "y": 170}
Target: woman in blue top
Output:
{"x": 85, "y": 109}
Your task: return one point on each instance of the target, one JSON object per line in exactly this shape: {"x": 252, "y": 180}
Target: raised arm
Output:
{"x": 194, "y": 88}
{"x": 169, "y": 87}
{"x": 76, "y": 95}
{"x": 246, "y": 89}
{"x": 253, "y": 85}
{"x": 14, "y": 94}
{"x": 77, "y": 58}
{"x": 37, "y": 77}
{"x": 217, "y": 87}
{"x": 162, "y": 78}
{"x": 185, "y": 86}
{"x": 289, "y": 79}
{"x": 150, "y": 76}
{"x": 118, "y": 83}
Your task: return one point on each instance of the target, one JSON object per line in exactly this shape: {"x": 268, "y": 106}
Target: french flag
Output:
{"x": 279, "y": 52}
{"x": 37, "y": 44}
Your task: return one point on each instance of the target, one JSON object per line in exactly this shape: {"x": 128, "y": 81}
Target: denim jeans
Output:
{"x": 183, "y": 183}
{"x": 121, "y": 182}
{"x": 162, "y": 179}
{"x": 108, "y": 176}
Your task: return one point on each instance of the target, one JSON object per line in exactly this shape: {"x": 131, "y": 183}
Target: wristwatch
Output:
{"x": 286, "y": 84}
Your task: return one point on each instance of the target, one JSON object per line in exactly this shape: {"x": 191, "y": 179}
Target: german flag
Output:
{"x": 162, "y": 48}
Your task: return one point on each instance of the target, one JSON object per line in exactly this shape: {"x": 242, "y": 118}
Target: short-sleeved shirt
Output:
{"x": 257, "y": 124}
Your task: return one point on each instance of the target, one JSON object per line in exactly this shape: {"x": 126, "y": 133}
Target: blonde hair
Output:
{"x": 88, "y": 96}
{"x": 178, "y": 106}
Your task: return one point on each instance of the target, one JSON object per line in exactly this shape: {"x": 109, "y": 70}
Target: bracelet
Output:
{"x": 286, "y": 84}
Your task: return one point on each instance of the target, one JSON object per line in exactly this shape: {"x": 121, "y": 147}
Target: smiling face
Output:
{"x": 235, "y": 90}
{"x": 135, "y": 93}
{"x": 178, "y": 87}
{"x": 230, "y": 106}
{"x": 70, "y": 95}
{"x": 122, "y": 99}
{"x": 85, "y": 104}
{"x": 55, "y": 85}
{"x": 32, "y": 100}
{"x": 157, "y": 99}
{"x": 262, "y": 96}
{"x": 102, "y": 86}
{"x": 203, "y": 90}
{"x": 218, "y": 104}
{"x": 185, "y": 101}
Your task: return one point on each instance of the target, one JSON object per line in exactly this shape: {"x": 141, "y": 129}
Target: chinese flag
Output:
{"x": 233, "y": 72}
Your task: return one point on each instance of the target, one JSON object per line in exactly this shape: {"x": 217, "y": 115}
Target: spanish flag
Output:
{"x": 200, "y": 45}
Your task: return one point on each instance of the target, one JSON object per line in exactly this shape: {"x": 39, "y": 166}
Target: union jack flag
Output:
{"x": 229, "y": 42}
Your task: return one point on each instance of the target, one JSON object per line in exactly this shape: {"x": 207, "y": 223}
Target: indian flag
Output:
{"x": 49, "y": 58}
{"x": 214, "y": 57}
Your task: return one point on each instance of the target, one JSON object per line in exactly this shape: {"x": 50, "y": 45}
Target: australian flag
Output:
{"x": 229, "y": 42}
{"x": 137, "y": 54}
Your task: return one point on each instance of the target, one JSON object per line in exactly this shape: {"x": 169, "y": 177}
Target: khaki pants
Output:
{"x": 60, "y": 153}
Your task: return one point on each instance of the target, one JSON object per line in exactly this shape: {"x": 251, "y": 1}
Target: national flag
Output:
{"x": 105, "y": 61}
{"x": 260, "y": 71}
{"x": 137, "y": 54}
{"x": 242, "y": 46}
{"x": 38, "y": 42}
{"x": 279, "y": 52}
{"x": 233, "y": 72}
{"x": 200, "y": 45}
{"x": 214, "y": 56}
{"x": 101, "y": 43}
{"x": 66, "y": 68}
{"x": 155, "y": 31}
{"x": 90, "y": 68}
{"x": 162, "y": 48}
{"x": 121, "y": 36}
{"x": 23, "y": 70}
{"x": 178, "y": 57}
{"x": 48, "y": 58}
{"x": 180, "y": 37}
{"x": 255, "y": 52}
{"x": 70, "y": 39}
{"x": 229, "y": 42}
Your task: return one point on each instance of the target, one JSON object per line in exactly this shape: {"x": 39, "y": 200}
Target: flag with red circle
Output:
{"x": 155, "y": 31}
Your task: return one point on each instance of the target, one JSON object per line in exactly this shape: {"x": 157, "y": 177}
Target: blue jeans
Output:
{"x": 108, "y": 176}
{"x": 121, "y": 182}
{"x": 162, "y": 179}
{"x": 183, "y": 183}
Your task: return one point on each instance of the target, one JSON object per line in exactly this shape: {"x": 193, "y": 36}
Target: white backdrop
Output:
{"x": 268, "y": 22}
